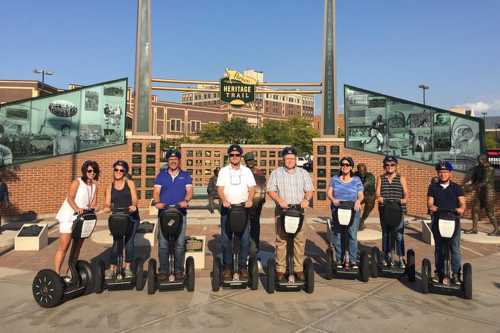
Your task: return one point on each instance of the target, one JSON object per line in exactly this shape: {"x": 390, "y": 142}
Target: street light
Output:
{"x": 424, "y": 88}
{"x": 43, "y": 72}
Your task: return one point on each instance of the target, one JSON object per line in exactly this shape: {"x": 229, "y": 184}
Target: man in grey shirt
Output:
{"x": 290, "y": 187}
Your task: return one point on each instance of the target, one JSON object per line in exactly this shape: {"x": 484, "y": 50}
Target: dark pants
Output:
{"x": 227, "y": 253}
{"x": 180, "y": 251}
{"x": 398, "y": 233}
{"x": 129, "y": 243}
{"x": 439, "y": 248}
{"x": 254, "y": 217}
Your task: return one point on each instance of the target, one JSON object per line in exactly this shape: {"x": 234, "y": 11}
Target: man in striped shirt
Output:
{"x": 290, "y": 186}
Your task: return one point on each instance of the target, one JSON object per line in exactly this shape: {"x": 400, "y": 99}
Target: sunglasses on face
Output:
{"x": 90, "y": 171}
{"x": 345, "y": 165}
{"x": 390, "y": 165}
{"x": 234, "y": 155}
{"x": 120, "y": 170}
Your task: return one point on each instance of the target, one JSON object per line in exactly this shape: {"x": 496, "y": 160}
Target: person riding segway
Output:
{"x": 291, "y": 189}
{"x": 236, "y": 189}
{"x": 171, "y": 195}
{"x": 345, "y": 194}
{"x": 446, "y": 203}
{"x": 392, "y": 195}
{"x": 49, "y": 288}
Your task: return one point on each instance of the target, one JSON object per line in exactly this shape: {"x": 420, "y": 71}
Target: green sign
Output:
{"x": 237, "y": 89}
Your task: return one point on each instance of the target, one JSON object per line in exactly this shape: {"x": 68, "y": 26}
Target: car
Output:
{"x": 301, "y": 161}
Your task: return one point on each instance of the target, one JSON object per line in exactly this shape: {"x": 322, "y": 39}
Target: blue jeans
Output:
{"x": 352, "y": 234}
{"x": 180, "y": 251}
{"x": 439, "y": 249}
{"x": 129, "y": 243}
{"x": 400, "y": 245}
{"x": 227, "y": 246}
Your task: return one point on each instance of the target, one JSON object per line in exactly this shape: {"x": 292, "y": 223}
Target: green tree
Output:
{"x": 210, "y": 134}
{"x": 237, "y": 130}
{"x": 490, "y": 140}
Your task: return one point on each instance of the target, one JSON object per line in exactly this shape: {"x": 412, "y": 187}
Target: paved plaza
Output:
{"x": 335, "y": 306}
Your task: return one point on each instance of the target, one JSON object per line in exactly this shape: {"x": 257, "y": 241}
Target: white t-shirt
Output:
{"x": 236, "y": 183}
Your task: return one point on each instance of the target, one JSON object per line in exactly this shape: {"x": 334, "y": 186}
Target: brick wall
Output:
{"x": 418, "y": 174}
{"x": 42, "y": 186}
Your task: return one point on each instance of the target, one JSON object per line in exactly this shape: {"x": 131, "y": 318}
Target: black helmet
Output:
{"x": 288, "y": 151}
{"x": 444, "y": 165}
{"x": 249, "y": 157}
{"x": 348, "y": 159}
{"x": 390, "y": 158}
{"x": 172, "y": 152}
{"x": 233, "y": 148}
{"x": 123, "y": 164}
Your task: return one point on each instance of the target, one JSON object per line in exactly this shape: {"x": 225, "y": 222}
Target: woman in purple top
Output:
{"x": 346, "y": 187}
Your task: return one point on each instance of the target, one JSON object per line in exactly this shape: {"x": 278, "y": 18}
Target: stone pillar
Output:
{"x": 329, "y": 95}
{"x": 142, "y": 119}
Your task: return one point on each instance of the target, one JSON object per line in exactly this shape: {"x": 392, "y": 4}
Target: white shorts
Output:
{"x": 65, "y": 227}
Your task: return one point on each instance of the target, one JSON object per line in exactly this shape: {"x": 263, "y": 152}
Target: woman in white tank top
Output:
{"x": 82, "y": 195}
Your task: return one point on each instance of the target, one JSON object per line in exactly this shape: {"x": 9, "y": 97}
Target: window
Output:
{"x": 263, "y": 153}
{"x": 262, "y": 163}
{"x": 137, "y": 182}
{"x": 272, "y": 154}
{"x": 216, "y": 153}
{"x": 321, "y": 161}
{"x": 272, "y": 163}
{"x": 321, "y": 184}
{"x": 334, "y": 150}
{"x": 208, "y": 153}
{"x": 137, "y": 147}
{"x": 334, "y": 161}
{"x": 189, "y": 162}
{"x": 321, "y": 173}
{"x": 136, "y": 158}
{"x": 190, "y": 171}
{"x": 150, "y": 182}
{"x": 321, "y": 150}
{"x": 150, "y": 159}
{"x": 334, "y": 172}
{"x": 175, "y": 125}
{"x": 136, "y": 171}
{"x": 208, "y": 172}
{"x": 149, "y": 194}
{"x": 189, "y": 153}
{"x": 151, "y": 148}
{"x": 150, "y": 171}
{"x": 208, "y": 162}
{"x": 199, "y": 153}
{"x": 321, "y": 196}
{"x": 195, "y": 126}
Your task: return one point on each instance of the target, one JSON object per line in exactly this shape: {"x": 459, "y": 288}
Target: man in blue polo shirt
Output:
{"x": 446, "y": 195}
{"x": 173, "y": 186}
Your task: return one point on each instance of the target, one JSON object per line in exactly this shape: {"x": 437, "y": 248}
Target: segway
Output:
{"x": 290, "y": 221}
{"x": 50, "y": 289}
{"x": 391, "y": 214}
{"x": 237, "y": 221}
{"x": 118, "y": 224}
{"x": 447, "y": 224}
{"x": 343, "y": 218}
{"x": 170, "y": 226}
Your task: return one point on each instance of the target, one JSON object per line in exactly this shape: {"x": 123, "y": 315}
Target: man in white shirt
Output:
{"x": 235, "y": 185}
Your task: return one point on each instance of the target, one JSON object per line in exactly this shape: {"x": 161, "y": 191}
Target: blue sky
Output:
{"x": 389, "y": 46}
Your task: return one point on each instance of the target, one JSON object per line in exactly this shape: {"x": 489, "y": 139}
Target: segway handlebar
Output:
{"x": 119, "y": 210}
{"x": 86, "y": 211}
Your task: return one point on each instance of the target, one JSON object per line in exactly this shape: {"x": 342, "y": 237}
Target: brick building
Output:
{"x": 14, "y": 90}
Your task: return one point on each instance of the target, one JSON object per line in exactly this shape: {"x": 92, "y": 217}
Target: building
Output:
{"x": 463, "y": 110}
{"x": 14, "y": 90}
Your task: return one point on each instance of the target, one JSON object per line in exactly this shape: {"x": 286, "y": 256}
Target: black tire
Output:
{"x": 189, "y": 274}
{"x": 48, "y": 288}
{"x": 271, "y": 276}
{"x": 426, "y": 276}
{"x": 139, "y": 275}
{"x": 410, "y": 265}
{"x": 329, "y": 264}
{"x": 309, "y": 275}
{"x": 151, "y": 276}
{"x": 364, "y": 267}
{"x": 86, "y": 276}
{"x": 253, "y": 274}
{"x": 374, "y": 262}
{"x": 467, "y": 281}
{"x": 216, "y": 274}
{"x": 99, "y": 269}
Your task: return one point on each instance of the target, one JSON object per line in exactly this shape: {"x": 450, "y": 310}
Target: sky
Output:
{"x": 388, "y": 46}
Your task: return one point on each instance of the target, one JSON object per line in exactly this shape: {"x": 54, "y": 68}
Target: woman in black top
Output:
{"x": 122, "y": 194}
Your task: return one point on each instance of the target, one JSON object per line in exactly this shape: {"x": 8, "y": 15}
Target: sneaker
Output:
{"x": 162, "y": 276}
{"x": 67, "y": 279}
{"x": 280, "y": 276}
{"x": 300, "y": 276}
{"x": 128, "y": 273}
{"x": 227, "y": 274}
{"x": 354, "y": 266}
{"x": 179, "y": 276}
{"x": 402, "y": 263}
{"x": 243, "y": 274}
{"x": 455, "y": 278}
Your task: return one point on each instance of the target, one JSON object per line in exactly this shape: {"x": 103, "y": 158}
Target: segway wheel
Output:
{"x": 139, "y": 275}
{"x": 48, "y": 288}
{"x": 329, "y": 264}
{"x": 151, "y": 276}
{"x": 271, "y": 276}
{"x": 253, "y": 275}
{"x": 410, "y": 265}
{"x": 364, "y": 267}
{"x": 309, "y": 275}
{"x": 86, "y": 275}
{"x": 467, "y": 281}
{"x": 190, "y": 274}
{"x": 374, "y": 262}
{"x": 99, "y": 268}
{"x": 426, "y": 276}
{"x": 216, "y": 274}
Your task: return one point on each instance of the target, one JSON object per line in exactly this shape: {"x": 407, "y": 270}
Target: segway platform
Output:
{"x": 50, "y": 289}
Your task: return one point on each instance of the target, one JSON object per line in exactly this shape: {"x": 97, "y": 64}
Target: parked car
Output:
{"x": 301, "y": 161}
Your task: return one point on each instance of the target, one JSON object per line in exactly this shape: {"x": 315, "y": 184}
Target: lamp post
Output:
{"x": 43, "y": 72}
{"x": 424, "y": 88}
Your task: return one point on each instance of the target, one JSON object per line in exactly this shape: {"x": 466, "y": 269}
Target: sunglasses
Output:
{"x": 345, "y": 164}
{"x": 233, "y": 155}
{"x": 120, "y": 170}
{"x": 390, "y": 165}
{"x": 90, "y": 171}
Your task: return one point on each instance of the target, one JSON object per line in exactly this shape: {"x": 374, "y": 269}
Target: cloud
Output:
{"x": 483, "y": 106}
